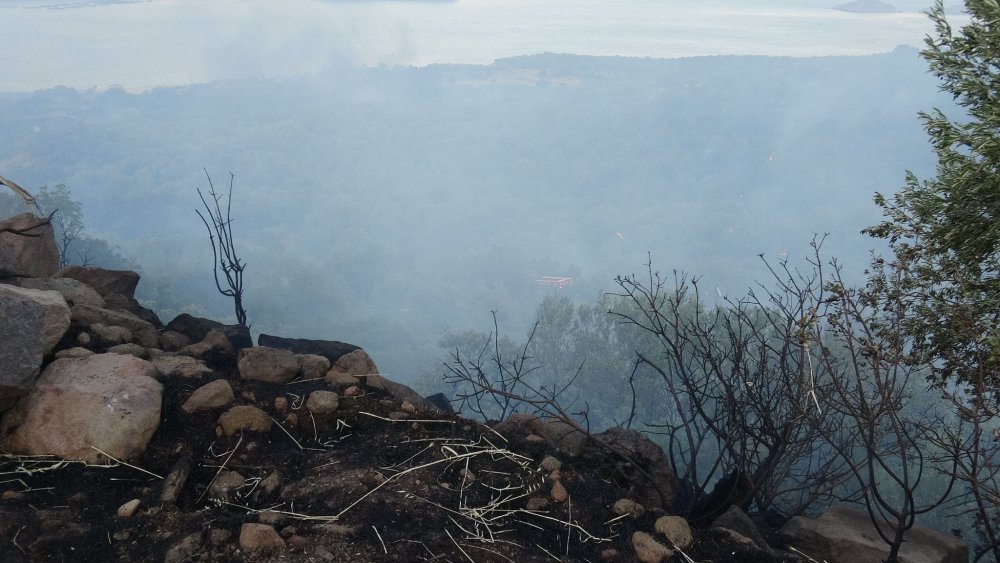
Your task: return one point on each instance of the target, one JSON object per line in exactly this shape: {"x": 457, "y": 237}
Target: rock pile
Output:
{"x": 132, "y": 440}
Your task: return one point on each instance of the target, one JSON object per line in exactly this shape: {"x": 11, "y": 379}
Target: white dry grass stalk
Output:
{"x": 221, "y": 467}
{"x": 407, "y": 420}
{"x": 120, "y": 462}
{"x": 379, "y": 536}
{"x": 458, "y": 546}
{"x": 804, "y": 555}
{"x": 287, "y": 433}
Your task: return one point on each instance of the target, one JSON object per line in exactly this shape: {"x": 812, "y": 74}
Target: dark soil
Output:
{"x": 358, "y": 485}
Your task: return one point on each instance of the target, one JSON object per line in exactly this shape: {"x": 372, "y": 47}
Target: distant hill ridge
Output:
{"x": 867, "y": 7}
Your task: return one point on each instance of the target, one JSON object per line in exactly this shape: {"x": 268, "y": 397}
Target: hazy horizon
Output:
{"x": 141, "y": 45}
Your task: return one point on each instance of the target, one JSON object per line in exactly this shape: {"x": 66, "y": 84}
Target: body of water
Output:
{"x": 140, "y": 45}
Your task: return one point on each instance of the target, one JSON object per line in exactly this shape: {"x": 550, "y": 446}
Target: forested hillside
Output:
{"x": 401, "y": 203}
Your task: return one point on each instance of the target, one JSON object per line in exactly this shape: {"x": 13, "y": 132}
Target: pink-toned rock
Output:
{"x": 76, "y": 352}
{"x": 34, "y": 256}
{"x": 214, "y": 345}
{"x": 259, "y": 536}
{"x": 846, "y": 534}
{"x": 211, "y": 396}
{"x": 270, "y": 365}
{"x": 128, "y": 509}
{"x": 108, "y": 401}
{"x": 628, "y": 507}
{"x": 676, "y": 529}
{"x": 648, "y": 550}
{"x": 243, "y": 417}
{"x": 559, "y": 493}
{"x": 183, "y": 367}
{"x": 105, "y": 282}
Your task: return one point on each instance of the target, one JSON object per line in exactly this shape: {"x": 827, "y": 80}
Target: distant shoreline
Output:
{"x": 867, "y": 7}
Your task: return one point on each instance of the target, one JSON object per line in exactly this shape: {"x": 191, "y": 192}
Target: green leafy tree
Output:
{"x": 945, "y": 231}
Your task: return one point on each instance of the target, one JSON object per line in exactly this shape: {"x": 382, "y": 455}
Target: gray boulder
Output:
{"x": 55, "y": 314}
{"x": 107, "y": 401}
{"x": 270, "y": 365}
{"x": 845, "y": 533}
{"x": 31, "y": 323}
{"x": 34, "y": 256}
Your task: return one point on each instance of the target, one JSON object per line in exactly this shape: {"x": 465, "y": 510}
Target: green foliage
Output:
{"x": 945, "y": 231}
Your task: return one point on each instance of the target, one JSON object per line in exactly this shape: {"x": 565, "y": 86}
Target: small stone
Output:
{"x": 128, "y": 509}
{"x": 288, "y": 531}
{"x": 648, "y": 550}
{"x": 270, "y": 484}
{"x": 121, "y": 535}
{"x": 312, "y": 366}
{"x": 629, "y": 507}
{"x": 538, "y": 503}
{"x": 398, "y": 415}
{"x": 559, "y": 493}
{"x": 352, "y": 391}
{"x": 76, "y": 352}
{"x": 83, "y": 338}
{"x": 550, "y": 463}
{"x": 259, "y": 536}
{"x": 12, "y": 496}
{"x": 735, "y": 536}
{"x": 272, "y": 518}
{"x": 609, "y": 555}
{"x": 219, "y": 536}
{"x": 280, "y": 405}
{"x": 467, "y": 475}
{"x": 338, "y": 377}
{"x": 322, "y": 402}
{"x": 408, "y": 407}
{"x": 555, "y": 475}
{"x": 184, "y": 549}
{"x": 676, "y": 529}
{"x": 225, "y": 484}
{"x": 292, "y": 420}
{"x": 215, "y": 395}
{"x": 298, "y": 542}
{"x": 243, "y": 417}
{"x": 323, "y": 553}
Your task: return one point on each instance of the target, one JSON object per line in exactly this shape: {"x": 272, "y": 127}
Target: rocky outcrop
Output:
{"x": 211, "y": 396}
{"x": 107, "y": 401}
{"x": 35, "y": 256}
{"x": 645, "y": 462}
{"x": 197, "y": 328}
{"x": 73, "y": 291}
{"x": 844, "y": 533}
{"x": 329, "y": 349}
{"x": 736, "y": 520}
{"x": 105, "y": 282}
{"x": 142, "y": 332}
